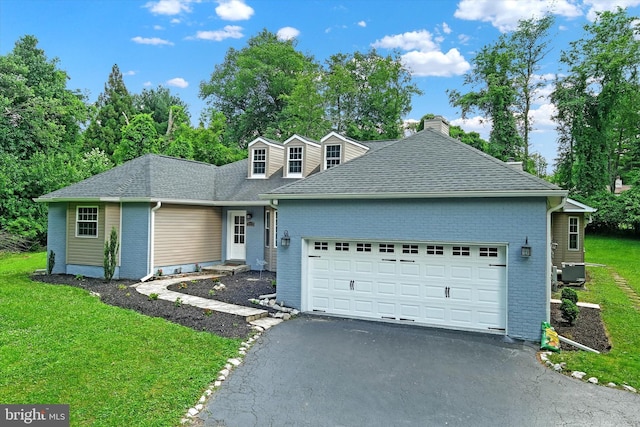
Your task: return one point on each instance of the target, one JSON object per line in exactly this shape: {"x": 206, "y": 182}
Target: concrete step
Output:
{"x": 226, "y": 269}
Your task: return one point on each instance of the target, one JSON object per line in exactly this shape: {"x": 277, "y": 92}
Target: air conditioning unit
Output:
{"x": 573, "y": 272}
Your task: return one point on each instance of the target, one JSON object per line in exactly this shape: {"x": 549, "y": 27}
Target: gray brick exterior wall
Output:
{"x": 508, "y": 221}
{"x": 57, "y": 235}
{"x": 134, "y": 246}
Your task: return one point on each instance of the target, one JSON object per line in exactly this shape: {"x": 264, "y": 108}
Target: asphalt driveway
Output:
{"x": 317, "y": 371}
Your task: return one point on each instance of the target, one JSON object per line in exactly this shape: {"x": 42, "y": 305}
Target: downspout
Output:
{"x": 152, "y": 226}
{"x": 550, "y": 211}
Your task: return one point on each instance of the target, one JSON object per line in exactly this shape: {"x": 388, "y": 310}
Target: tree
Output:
{"x": 114, "y": 109}
{"x": 139, "y": 137}
{"x": 597, "y": 105}
{"x": 504, "y": 74}
{"x": 158, "y": 103}
{"x": 367, "y": 94}
{"x": 304, "y": 113}
{"x": 251, "y": 86}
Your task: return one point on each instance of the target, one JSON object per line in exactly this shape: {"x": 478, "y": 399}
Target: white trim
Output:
{"x": 343, "y": 138}
{"x": 264, "y": 141}
{"x": 581, "y": 207}
{"x": 253, "y": 161}
{"x": 576, "y": 233}
{"x": 409, "y": 195}
{"x": 152, "y": 238}
{"x": 267, "y": 226}
{"x": 324, "y": 155}
{"x": 97, "y": 222}
{"x": 301, "y": 139}
{"x": 287, "y": 166}
{"x": 230, "y": 231}
{"x": 275, "y": 228}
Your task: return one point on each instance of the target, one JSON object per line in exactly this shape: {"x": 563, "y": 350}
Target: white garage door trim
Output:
{"x": 450, "y": 285}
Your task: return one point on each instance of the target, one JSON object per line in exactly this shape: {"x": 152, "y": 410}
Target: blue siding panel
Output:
{"x": 57, "y": 236}
{"x": 134, "y": 247}
{"x": 509, "y": 221}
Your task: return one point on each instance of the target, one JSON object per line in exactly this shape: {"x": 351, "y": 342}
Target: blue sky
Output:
{"x": 177, "y": 43}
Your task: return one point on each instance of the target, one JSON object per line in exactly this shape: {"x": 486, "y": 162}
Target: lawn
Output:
{"x": 112, "y": 366}
{"x": 622, "y": 364}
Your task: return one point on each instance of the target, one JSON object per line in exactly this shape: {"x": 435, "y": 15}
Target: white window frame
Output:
{"x": 85, "y": 220}
{"x": 333, "y": 158}
{"x": 573, "y": 233}
{"x": 275, "y": 229}
{"x": 299, "y": 151}
{"x": 254, "y": 161}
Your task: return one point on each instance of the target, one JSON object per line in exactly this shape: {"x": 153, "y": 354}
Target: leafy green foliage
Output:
{"x": 51, "y": 261}
{"x": 158, "y": 103}
{"x": 615, "y": 213}
{"x": 597, "y": 105}
{"x": 570, "y": 294}
{"x": 114, "y": 110}
{"x": 139, "y": 137}
{"x": 111, "y": 248}
{"x": 570, "y": 311}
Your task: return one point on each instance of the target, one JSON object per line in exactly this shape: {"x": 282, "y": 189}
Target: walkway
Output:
{"x": 255, "y": 316}
{"x": 624, "y": 286}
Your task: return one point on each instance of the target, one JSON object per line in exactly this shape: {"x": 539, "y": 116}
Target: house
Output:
{"x": 423, "y": 230}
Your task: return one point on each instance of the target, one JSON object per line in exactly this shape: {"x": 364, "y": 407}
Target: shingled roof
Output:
{"x": 149, "y": 177}
{"x": 426, "y": 164}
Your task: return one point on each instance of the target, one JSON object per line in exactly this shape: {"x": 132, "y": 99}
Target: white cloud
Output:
{"x": 362, "y": 24}
{"x": 446, "y": 28}
{"x": 228, "y": 32}
{"x": 147, "y": 84}
{"x": 168, "y": 7}
{"x": 175, "y": 21}
{"x": 425, "y": 57}
{"x": 234, "y": 10}
{"x": 158, "y": 27}
{"x": 421, "y": 40}
{"x": 607, "y": 5}
{"x": 436, "y": 63}
{"x": 287, "y": 33}
{"x": 178, "y": 82}
{"x": 478, "y": 124}
{"x": 541, "y": 117}
{"x": 129, "y": 73}
{"x": 156, "y": 41}
{"x": 505, "y": 14}
{"x": 463, "y": 38}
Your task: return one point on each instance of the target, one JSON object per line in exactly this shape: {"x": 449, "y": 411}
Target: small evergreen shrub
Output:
{"x": 111, "y": 248}
{"x": 570, "y": 311}
{"x": 570, "y": 294}
{"x": 153, "y": 297}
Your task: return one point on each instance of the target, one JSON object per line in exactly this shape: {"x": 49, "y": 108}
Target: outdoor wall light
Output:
{"x": 286, "y": 240}
{"x": 525, "y": 251}
{"x": 249, "y": 215}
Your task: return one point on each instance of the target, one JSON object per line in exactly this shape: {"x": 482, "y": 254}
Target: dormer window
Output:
{"x": 294, "y": 161}
{"x": 259, "y": 159}
{"x": 332, "y": 156}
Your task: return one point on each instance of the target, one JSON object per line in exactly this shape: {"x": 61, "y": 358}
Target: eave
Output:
{"x": 417, "y": 195}
{"x": 192, "y": 202}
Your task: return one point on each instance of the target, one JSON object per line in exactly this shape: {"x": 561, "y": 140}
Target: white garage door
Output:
{"x": 450, "y": 285}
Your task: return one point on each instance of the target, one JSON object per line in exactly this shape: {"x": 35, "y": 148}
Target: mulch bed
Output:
{"x": 589, "y": 329}
{"x": 238, "y": 291}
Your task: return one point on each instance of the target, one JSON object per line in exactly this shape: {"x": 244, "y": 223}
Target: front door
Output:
{"x": 236, "y": 235}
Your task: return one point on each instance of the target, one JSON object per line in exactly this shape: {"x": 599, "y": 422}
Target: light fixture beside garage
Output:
{"x": 286, "y": 240}
{"x": 525, "y": 251}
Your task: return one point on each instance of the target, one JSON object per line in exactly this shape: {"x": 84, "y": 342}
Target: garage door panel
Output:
{"x": 420, "y": 282}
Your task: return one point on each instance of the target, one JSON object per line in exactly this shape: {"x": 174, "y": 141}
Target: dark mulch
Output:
{"x": 238, "y": 291}
{"x": 589, "y": 329}
{"x": 238, "y": 288}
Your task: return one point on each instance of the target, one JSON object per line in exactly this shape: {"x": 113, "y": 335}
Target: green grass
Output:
{"x": 112, "y": 366}
{"x": 622, "y": 364}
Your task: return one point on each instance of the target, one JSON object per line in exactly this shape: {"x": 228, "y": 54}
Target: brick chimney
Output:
{"x": 438, "y": 123}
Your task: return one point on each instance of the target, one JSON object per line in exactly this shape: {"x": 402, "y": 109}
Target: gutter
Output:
{"x": 407, "y": 195}
{"x": 152, "y": 200}
{"x": 550, "y": 210}
{"x": 152, "y": 235}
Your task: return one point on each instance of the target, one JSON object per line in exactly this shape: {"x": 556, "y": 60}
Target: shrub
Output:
{"x": 178, "y": 302}
{"x": 570, "y": 294}
{"x": 51, "y": 262}
{"x": 111, "y": 248}
{"x": 570, "y": 311}
{"x": 153, "y": 297}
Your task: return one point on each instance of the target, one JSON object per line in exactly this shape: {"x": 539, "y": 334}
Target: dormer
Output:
{"x": 338, "y": 149}
{"x": 265, "y": 158}
{"x": 302, "y": 157}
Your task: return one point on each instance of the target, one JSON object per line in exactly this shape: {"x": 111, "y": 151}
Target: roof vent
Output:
{"x": 515, "y": 165}
{"x": 438, "y": 123}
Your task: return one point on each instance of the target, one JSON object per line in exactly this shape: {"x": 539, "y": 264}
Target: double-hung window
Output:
{"x": 295, "y": 162}
{"x": 259, "y": 166}
{"x": 332, "y": 156}
{"x": 87, "y": 221}
{"x": 267, "y": 228}
{"x": 574, "y": 233}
